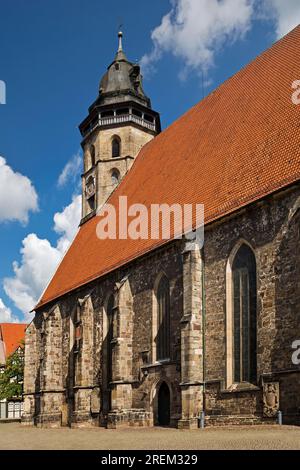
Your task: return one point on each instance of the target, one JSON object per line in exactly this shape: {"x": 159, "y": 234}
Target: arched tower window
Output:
{"x": 163, "y": 320}
{"x": 244, "y": 315}
{"x": 116, "y": 147}
{"x": 115, "y": 176}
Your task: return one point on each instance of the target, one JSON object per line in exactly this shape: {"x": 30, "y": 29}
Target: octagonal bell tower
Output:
{"x": 119, "y": 123}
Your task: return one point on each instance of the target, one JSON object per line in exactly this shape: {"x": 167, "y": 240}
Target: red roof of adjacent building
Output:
{"x": 12, "y": 335}
{"x": 239, "y": 144}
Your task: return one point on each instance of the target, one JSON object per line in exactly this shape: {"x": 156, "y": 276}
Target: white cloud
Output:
{"x": 17, "y": 195}
{"x": 66, "y": 223}
{"x": 285, "y": 13}
{"x": 6, "y": 314}
{"x": 71, "y": 170}
{"x": 39, "y": 260}
{"x": 194, "y": 30}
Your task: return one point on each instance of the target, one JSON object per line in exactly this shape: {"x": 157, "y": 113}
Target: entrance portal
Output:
{"x": 164, "y": 405}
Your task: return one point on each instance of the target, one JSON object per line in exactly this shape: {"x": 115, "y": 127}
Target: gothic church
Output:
{"x": 160, "y": 332}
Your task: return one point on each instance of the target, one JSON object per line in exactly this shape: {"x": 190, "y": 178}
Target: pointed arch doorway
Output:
{"x": 163, "y": 405}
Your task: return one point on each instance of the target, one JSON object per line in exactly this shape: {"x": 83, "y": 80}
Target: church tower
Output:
{"x": 119, "y": 123}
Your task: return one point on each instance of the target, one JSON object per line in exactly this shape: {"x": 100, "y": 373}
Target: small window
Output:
{"x": 90, "y": 187}
{"x": 115, "y": 177}
{"x": 116, "y": 147}
{"x": 91, "y": 202}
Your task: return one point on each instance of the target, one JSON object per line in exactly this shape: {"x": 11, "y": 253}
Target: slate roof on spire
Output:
{"x": 122, "y": 81}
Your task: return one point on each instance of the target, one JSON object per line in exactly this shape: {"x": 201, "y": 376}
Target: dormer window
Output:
{"x": 116, "y": 147}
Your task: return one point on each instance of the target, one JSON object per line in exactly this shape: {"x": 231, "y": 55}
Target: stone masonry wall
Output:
{"x": 271, "y": 228}
{"x": 132, "y": 140}
{"x": 139, "y": 375}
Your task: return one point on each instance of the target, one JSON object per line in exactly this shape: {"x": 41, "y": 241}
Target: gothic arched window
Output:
{"x": 116, "y": 147}
{"x": 244, "y": 315}
{"x": 109, "y": 337}
{"x": 163, "y": 320}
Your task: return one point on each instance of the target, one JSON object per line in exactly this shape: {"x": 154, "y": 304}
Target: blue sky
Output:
{"x": 52, "y": 56}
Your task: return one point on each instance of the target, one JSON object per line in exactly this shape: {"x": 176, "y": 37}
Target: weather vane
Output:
{"x": 120, "y": 24}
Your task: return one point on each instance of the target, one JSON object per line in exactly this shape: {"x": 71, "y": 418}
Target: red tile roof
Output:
{"x": 12, "y": 335}
{"x": 239, "y": 144}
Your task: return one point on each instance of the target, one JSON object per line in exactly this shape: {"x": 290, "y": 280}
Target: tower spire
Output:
{"x": 120, "y": 55}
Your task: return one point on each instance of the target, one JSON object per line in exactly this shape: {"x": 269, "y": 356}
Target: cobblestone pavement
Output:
{"x": 15, "y": 436}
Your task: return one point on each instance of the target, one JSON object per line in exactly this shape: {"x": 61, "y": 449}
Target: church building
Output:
{"x": 143, "y": 332}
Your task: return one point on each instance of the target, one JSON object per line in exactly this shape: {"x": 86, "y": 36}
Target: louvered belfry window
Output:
{"x": 163, "y": 320}
{"x": 244, "y": 315}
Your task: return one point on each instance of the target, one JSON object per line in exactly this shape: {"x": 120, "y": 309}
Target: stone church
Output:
{"x": 142, "y": 332}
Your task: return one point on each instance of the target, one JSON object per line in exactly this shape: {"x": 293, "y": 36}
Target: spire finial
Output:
{"x": 120, "y": 36}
